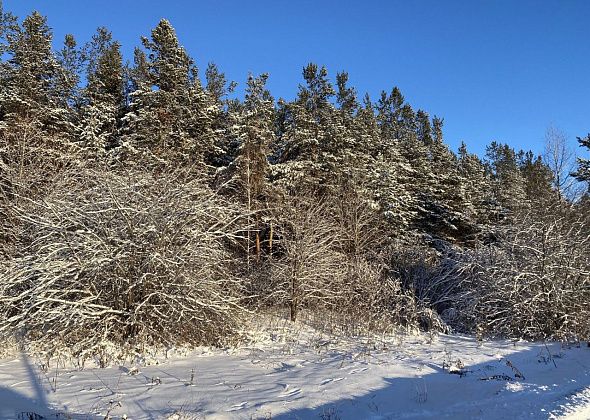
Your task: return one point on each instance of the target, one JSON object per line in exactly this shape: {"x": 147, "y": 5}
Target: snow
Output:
{"x": 308, "y": 375}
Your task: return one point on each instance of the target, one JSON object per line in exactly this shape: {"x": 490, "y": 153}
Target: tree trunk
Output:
{"x": 270, "y": 239}
{"x": 293, "y": 298}
{"x": 257, "y": 246}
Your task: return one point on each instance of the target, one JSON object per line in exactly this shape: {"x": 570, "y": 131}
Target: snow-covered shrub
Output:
{"x": 308, "y": 269}
{"x": 417, "y": 268}
{"x": 332, "y": 262}
{"x": 30, "y": 161}
{"x": 376, "y": 300}
{"x": 129, "y": 258}
{"x": 533, "y": 283}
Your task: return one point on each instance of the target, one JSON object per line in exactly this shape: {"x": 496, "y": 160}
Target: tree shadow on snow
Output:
{"x": 490, "y": 390}
{"x": 14, "y": 405}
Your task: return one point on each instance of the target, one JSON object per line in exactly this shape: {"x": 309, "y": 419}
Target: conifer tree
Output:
{"x": 170, "y": 115}
{"x": 389, "y": 170}
{"x": 346, "y": 154}
{"x": 304, "y": 149}
{"x": 224, "y": 121}
{"x": 216, "y": 83}
{"x": 346, "y": 96}
{"x": 508, "y": 186}
{"x": 104, "y": 99}
{"x": 32, "y": 75}
{"x": 438, "y": 183}
{"x": 476, "y": 188}
{"x": 437, "y": 125}
{"x": 424, "y": 129}
{"x": 8, "y": 28}
{"x": 389, "y": 114}
{"x": 583, "y": 171}
{"x": 538, "y": 180}
{"x": 254, "y": 130}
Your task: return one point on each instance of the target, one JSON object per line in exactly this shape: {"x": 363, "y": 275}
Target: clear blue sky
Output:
{"x": 494, "y": 69}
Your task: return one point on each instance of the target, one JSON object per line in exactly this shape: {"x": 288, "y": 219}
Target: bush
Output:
{"x": 128, "y": 258}
{"x": 534, "y": 283}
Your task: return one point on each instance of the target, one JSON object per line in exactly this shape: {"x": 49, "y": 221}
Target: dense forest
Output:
{"x": 143, "y": 203}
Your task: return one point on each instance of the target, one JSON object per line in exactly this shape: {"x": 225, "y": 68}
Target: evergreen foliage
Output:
{"x": 583, "y": 172}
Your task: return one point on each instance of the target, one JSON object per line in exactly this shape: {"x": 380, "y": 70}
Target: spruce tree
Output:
{"x": 252, "y": 130}
{"x": 389, "y": 114}
{"x": 423, "y": 127}
{"x": 346, "y": 96}
{"x": 388, "y": 171}
{"x": 476, "y": 188}
{"x": 438, "y": 183}
{"x": 8, "y": 28}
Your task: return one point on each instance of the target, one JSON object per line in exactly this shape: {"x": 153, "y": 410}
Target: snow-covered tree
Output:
{"x": 306, "y": 145}
{"x": 583, "y": 171}
{"x": 104, "y": 99}
{"x": 508, "y": 184}
{"x": 35, "y": 86}
{"x": 170, "y": 116}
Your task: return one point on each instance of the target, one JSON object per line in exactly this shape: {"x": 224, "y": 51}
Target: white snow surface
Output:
{"x": 299, "y": 373}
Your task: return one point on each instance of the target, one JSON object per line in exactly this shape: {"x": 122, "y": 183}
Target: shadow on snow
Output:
{"x": 14, "y": 405}
{"x": 482, "y": 391}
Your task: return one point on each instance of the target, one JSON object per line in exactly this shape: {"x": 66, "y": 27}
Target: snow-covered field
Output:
{"x": 308, "y": 375}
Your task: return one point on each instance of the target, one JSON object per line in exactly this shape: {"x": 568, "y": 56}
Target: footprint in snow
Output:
{"x": 91, "y": 389}
{"x": 292, "y": 393}
{"x": 282, "y": 367}
{"x": 327, "y": 381}
{"x": 238, "y": 406}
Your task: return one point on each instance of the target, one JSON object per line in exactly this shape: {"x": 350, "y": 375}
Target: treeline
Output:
{"x": 141, "y": 204}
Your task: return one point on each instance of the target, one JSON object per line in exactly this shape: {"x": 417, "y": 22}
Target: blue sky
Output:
{"x": 495, "y": 70}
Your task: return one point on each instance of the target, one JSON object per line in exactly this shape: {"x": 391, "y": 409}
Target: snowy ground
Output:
{"x": 312, "y": 376}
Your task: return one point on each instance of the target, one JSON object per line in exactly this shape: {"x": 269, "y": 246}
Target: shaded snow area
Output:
{"x": 313, "y": 376}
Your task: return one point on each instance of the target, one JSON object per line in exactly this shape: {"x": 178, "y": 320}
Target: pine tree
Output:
{"x": 33, "y": 79}
{"x": 170, "y": 115}
{"x": 583, "y": 171}
{"x": 538, "y": 180}
{"x": 253, "y": 130}
{"x": 104, "y": 95}
{"x": 304, "y": 149}
{"x": 508, "y": 186}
